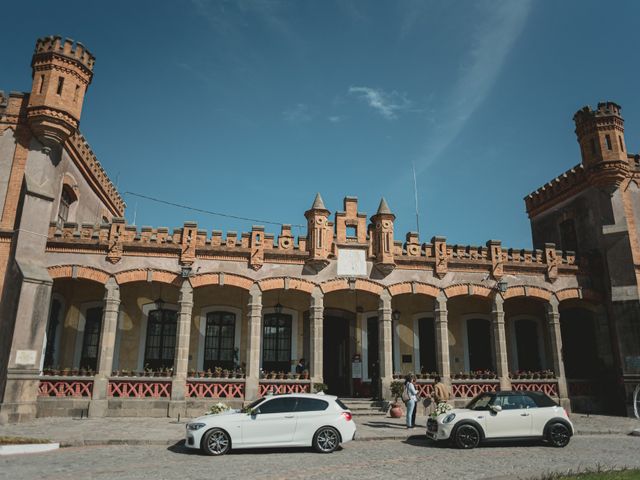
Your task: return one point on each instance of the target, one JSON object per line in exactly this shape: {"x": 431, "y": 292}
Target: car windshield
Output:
{"x": 481, "y": 402}
{"x": 253, "y": 405}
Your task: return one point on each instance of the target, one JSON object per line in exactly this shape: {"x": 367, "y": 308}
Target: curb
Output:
{"x": 28, "y": 448}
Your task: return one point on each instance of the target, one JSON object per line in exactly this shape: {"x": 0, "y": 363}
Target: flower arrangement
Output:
{"x": 218, "y": 408}
{"x": 441, "y": 408}
{"x": 535, "y": 375}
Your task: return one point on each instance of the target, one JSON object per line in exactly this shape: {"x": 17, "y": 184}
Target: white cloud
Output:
{"x": 335, "y": 118}
{"x": 498, "y": 28}
{"x": 299, "y": 113}
{"x": 386, "y": 104}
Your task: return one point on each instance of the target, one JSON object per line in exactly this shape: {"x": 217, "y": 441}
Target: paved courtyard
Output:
{"x": 413, "y": 457}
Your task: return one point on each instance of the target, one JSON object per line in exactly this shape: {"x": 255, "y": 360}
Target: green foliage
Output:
{"x": 320, "y": 387}
{"x": 396, "y": 389}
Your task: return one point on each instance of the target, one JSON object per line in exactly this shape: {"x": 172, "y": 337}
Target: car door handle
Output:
{"x": 289, "y": 416}
{"x": 524, "y": 414}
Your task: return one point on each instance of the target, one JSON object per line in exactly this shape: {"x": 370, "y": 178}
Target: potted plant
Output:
{"x": 148, "y": 371}
{"x": 396, "y": 390}
{"x": 217, "y": 372}
{"x": 280, "y": 375}
{"x": 65, "y": 372}
{"x": 320, "y": 387}
{"x": 304, "y": 375}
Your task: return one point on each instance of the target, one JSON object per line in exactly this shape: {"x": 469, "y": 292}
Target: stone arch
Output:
{"x": 286, "y": 283}
{"x": 221, "y": 278}
{"x": 363, "y": 285}
{"x": 78, "y": 272}
{"x": 415, "y": 288}
{"x": 146, "y": 275}
{"x": 528, "y": 291}
{"x": 578, "y": 293}
{"x": 471, "y": 289}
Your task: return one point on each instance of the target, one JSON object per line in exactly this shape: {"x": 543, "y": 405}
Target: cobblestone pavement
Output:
{"x": 414, "y": 457}
{"x": 165, "y": 431}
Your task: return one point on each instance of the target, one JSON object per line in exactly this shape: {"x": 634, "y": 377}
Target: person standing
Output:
{"x": 440, "y": 392}
{"x": 411, "y": 394}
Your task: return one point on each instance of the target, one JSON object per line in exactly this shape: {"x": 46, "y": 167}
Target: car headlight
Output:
{"x": 195, "y": 426}
{"x": 449, "y": 418}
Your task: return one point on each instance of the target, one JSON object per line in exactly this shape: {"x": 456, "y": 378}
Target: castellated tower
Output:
{"x": 62, "y": 71}
{"x": 600, "y": 134}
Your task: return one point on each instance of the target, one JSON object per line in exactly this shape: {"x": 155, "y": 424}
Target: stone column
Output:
{"x": 254, "y": 340}
{"x": 178, "y": 404}
{"x": 317, "y": 336}
{"x": 555, "y": 339}
{"x": 500, "y": 342}
{"x": 442, "y": 339}
{"x": 385, "y": 344}
{"x": 99, "y": 400}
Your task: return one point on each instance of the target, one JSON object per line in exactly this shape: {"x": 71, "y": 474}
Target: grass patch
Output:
{"x": 596, "y": 474}
{"x": 21, "y": 440}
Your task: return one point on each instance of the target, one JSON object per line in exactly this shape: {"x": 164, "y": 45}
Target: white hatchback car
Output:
{"x": 503, "y": 416}
{"x": 292, "y": 420}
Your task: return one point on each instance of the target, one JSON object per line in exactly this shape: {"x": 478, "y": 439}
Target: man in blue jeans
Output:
{"x": 411, "y": 394}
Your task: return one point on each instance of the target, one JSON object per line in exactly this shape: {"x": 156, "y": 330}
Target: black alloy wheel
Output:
{"x": 216, "y": 442}
{"x": 558, "y": 435}
{"x": 467, "y": 437}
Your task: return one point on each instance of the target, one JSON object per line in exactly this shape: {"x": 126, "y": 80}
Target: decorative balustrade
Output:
{"x": 215, "y": 388}
{"x": 424, "y": 388}
{"x": 65, "y": 387}
{"x": 582, "y": 388}
{"x": 471, "y": 388}
{"x": 549, "y": 387}
{"x": 139, "y": 388}
{"x": 276, "y": 387}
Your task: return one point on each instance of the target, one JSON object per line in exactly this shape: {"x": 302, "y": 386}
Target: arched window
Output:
{"x": 479, "y": 344}
{"x": 91, "y": 338}
{"x": 276, "y": 341}
{"x": 161, "y": 339}
{"x": 219, "y": 340}
{"x": 67, "y": 198}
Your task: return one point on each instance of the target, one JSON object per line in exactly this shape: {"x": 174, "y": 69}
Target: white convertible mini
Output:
{"x": 503, "y": 416}
{"x": 294, "y": 420}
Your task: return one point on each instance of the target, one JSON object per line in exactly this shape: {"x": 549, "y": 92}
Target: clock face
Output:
{"x": 386, "y": 224}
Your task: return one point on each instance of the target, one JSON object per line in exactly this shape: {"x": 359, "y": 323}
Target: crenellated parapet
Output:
{"x": 188, "y": 244}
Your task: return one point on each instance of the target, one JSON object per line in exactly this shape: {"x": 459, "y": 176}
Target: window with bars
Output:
{"x": 276, "y": 343}
{"x": 161, "y": 339}
{"x": 91, "y": 338}
{"x": 219, "y": 340}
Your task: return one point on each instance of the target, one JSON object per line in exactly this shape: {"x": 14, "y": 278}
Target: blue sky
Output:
{"x": 250, "y": 107}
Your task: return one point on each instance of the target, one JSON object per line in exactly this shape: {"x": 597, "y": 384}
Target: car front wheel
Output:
{"x": 326, "y": 440}
{"x": 216, "y": 442}
{"x": 558, "y": 435}
{"x": 467, "y": 437}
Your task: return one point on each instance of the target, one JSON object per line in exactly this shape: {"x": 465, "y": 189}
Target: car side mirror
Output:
{"x": 254, "y": 412}
{"x": 496, "y": 408}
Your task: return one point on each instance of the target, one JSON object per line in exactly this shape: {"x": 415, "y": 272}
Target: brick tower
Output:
{"x": 62, "y": 71}
{"x": 600, "y": 134}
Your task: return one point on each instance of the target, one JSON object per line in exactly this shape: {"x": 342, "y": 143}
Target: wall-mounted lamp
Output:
{"x": 395, "y": 315}
{"x": 278, "y": 308}
{"x": 160, "y": 303}
{"x": 185, "y": 272}
{"x": 502, "y": 286}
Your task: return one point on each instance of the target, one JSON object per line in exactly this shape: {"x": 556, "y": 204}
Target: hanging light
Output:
{"x": 160, "y": 303}
{"x": 502, "y": 286}
{"x": 395, "y": 315}
{"x": 278, "y": 308}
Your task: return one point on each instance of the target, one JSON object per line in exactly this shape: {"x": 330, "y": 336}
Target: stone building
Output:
{"x": 103, "y": 316}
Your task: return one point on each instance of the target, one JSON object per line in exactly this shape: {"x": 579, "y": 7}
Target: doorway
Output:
{"x": 336, "y": 349}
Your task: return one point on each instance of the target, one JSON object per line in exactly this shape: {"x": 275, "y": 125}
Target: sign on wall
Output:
{"x": 351, "y": 262}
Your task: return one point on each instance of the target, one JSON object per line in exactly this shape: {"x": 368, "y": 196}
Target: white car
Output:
{"x": 293, "y": 420}
{"x": 503, "y": 416}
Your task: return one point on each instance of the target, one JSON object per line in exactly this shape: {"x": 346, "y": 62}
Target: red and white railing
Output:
{"x": 139, "y": 388}
{"x": 424, "y": 389}
{"x": 215, "y": 388}
{"x": 471, "y": 388}
{"x": 65, "y": 388}
{"x": 549, "y": 387}
{"x": 267, "y": 387}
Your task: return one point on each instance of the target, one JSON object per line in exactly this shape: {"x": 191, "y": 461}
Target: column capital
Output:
{"x": 497, "y": 303}
{"x": 440, "y": 304}
{"x": 553, "y": 314}
{"x": 186, "y": 292}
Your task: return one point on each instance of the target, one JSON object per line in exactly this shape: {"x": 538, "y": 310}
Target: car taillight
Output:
{"x": 347, "y": 416}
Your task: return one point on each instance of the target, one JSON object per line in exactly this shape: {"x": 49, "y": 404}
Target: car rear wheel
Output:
{"x": 216, "y": 442}
{"x": 558, "y": 435}
{"x": 326, "y": 440}
{"x": 467, "y": 437}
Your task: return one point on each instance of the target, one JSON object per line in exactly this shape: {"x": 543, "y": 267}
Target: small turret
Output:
{"x": 62, "y": 71}
{"x": 383, "y": 243}
{"x": 319, "y": 234}
{"x": 600, "y": 134}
